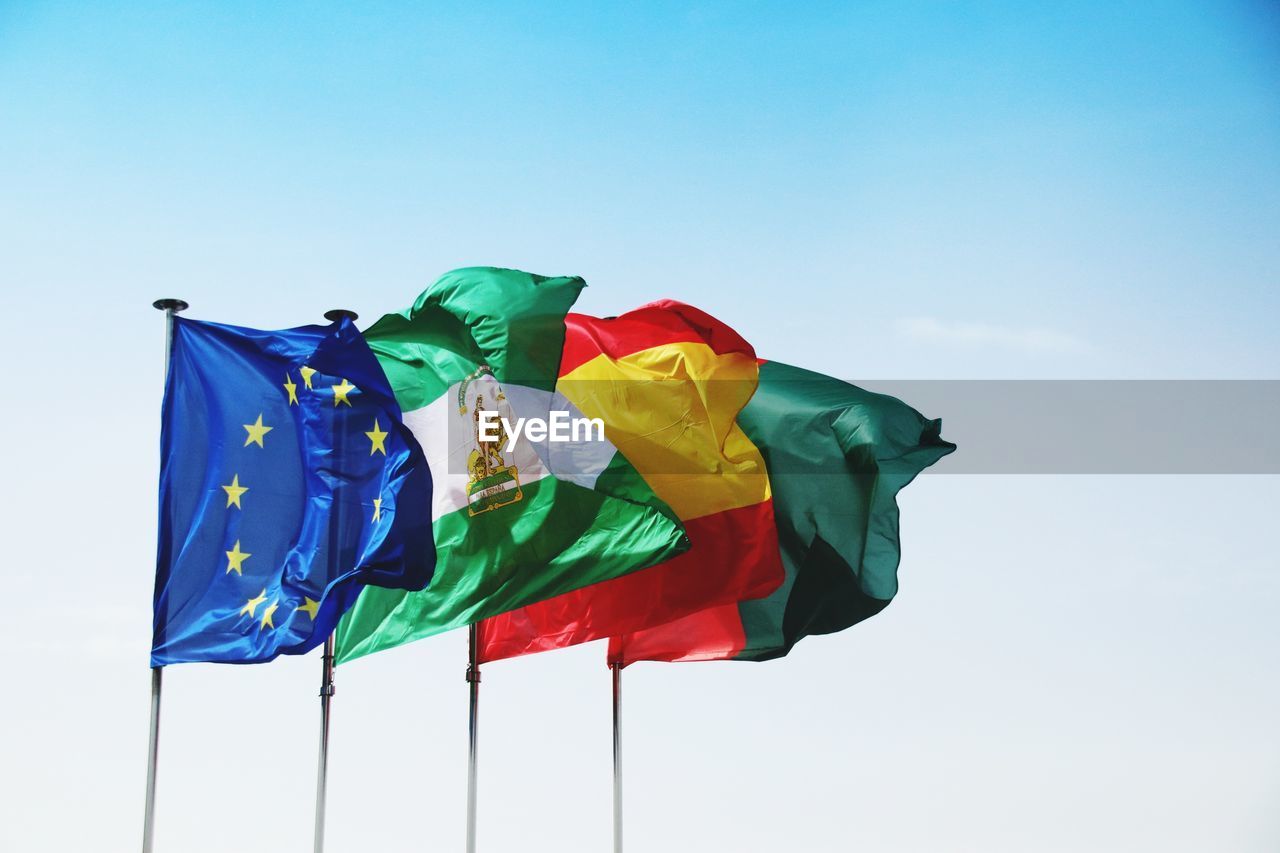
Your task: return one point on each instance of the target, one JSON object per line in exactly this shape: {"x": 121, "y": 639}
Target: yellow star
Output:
{"x": 234, "y": 491}
{"x": 377, "y": 509}
{"x": 309, "y": 606}
{"x": 340, "y": 393}
{"x": 307, "y": 373}
{"x": 292, "y": 388}
{"x": 256, "y": 432}
{"x": 266, "y": 615}
{"x": 252, "y": 604}
{"x": 379, "y": 438}
{"x": 235, "y": 558}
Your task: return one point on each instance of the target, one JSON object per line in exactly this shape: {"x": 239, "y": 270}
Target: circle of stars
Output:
{"x": 256, "y": 434}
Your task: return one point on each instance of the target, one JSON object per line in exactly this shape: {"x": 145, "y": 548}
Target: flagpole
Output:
{"x": 322, "y": 772}
{"x": 616, "y": 668}
{"x": 153, "y": 755}
{"x": 326, "y": 659}
{"x": 473, "y": 719}
{"x": 170, "y": 307}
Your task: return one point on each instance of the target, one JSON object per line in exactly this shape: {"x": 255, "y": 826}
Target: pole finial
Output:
{"x": 175, "y": 305}
{"x": 336, "y": 314}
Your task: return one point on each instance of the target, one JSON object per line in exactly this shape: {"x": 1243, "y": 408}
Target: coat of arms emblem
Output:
{"x": 491, "y": 481}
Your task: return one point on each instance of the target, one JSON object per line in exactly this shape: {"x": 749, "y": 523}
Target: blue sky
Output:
{"x": 876, "y": 190}
{"x": 1108, "y": 174}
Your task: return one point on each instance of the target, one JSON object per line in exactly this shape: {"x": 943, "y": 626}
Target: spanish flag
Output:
{"x": 669, "y": 382}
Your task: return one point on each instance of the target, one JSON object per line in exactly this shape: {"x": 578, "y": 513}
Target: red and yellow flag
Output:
{"x": 668, "y": 381}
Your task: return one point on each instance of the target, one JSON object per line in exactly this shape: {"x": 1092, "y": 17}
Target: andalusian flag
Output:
{"x": 514, "y": 522}
{"x": 669, "y": 382}
{"x": 837, "y": 457}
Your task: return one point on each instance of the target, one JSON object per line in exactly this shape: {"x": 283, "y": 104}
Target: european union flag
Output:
{"x": 288, "y": 481}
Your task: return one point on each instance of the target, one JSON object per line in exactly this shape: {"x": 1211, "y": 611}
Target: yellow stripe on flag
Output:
{"x": 672, "y": 412}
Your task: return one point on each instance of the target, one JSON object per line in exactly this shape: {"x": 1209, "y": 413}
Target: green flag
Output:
{"x": 837, "y": 457}
{"x": 513, "y": 524}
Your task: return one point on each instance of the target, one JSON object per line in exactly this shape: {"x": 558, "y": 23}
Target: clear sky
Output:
{"x": 875, "y": 190}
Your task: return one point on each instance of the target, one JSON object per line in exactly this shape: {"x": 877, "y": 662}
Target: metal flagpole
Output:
{"x": 616, "y": 667}
{"x": 170, "y": 307}
{"x": 153, "y": 755}
{"x": 326, "y": 660}
{"x": 322, "y": 773}
{"x": 473, "y": 682}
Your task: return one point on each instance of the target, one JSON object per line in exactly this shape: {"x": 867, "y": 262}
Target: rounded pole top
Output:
{"x": 174, "y": 305}
{"x": 336, "y": 314}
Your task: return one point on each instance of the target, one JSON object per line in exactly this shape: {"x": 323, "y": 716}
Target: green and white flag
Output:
{"x": 514, "y": 522}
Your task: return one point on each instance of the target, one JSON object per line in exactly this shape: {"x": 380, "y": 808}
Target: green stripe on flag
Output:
{"x": 510, "y": 320}
{"x": 837, "y": 455}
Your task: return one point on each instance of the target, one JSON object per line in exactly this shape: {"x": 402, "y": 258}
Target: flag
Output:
{"x": 668, "y": 381}
{"x": 837, "y": 457}
{"x": 287, "y": 481}
{"x": 519, "y": 518}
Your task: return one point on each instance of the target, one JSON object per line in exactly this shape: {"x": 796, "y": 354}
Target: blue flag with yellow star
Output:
{"x": 287, "y": 482}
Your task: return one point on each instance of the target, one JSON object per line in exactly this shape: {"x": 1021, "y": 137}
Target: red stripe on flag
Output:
{"x": 733, "y": 557}
{"x": 663, "y": 322}
{"x": 713, "y": 634}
